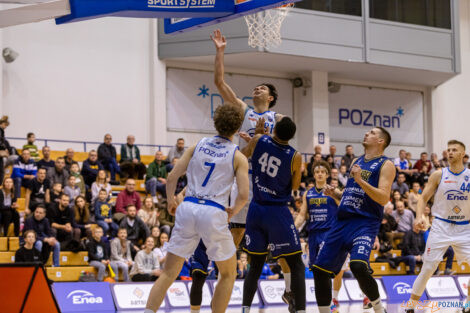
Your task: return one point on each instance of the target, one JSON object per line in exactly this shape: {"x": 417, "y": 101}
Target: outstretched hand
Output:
{"x": 219, "y": 40}
{"x": 259, "y": 128}
{"x": 244, "y": 136}
{"x": 329, "y": 190}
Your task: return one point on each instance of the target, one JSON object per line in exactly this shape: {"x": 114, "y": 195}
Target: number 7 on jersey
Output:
{"x": 211, "y": 169}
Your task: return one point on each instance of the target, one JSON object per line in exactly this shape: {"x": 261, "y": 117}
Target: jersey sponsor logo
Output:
{"x": 455, "y": 195}
{"x": 318, "y": 201}
{"x": 248, "y": 240}
{"x": 213, "y": 153}
{"x": 450, "y": 182}
{"x": 365, "y": 175}
{"x": 456, "y": 210}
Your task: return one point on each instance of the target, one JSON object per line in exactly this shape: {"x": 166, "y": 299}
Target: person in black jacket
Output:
{"x": 107, "y": 157}
{"x": 40, "y": 224}
{"x": 98, "y": 254}
{"x": 413, "y": 248}
{"x": 389, "y": 224}
{"x": 137, "y": 231}
{"x": 8, "y": 206}
{"x": 28, "y": 253}
{"x": 90, "y": 168}
{"x": 63, "y": 222}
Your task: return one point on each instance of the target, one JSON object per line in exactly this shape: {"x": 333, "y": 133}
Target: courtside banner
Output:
{"x": 355, "y": 293}
{"x": 178, "y": 295}
{"x": 442, "y": 287}
{"x": 132, "y": 296}
{"x": 399, "y": 287}
{"x": 310, "y": 292}
{"x": 462, "y": 282}
{"x": 206, "y": 294}
{"x": 84, "y": 297}
{"x": 237, "y": 294}
{"x": 271, "y": 291}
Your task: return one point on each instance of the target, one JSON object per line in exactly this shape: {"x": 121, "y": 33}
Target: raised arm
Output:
{"x": 302, "y": 216}
{"x": 427, "y": 194}
{"x": 250, "y": 147}
{"x": 241, "y": 173}
{"x": 225, "y": 91}
{"x": 296, "y": 172}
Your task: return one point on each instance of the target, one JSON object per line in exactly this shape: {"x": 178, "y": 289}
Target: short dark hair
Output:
{"x": 401, "y": 173}
{"x": 102, "y": 189}
{"x": 40, "y": 206}
{"x": 179, "y": 139}
{"x": 385, "y": 136}
{"x": 322, "y": 163}
{"x": 285, "y": 129}
{"x": 64, "y": 194}
{"x": 130, "y": 205}
{"x": 272, "y": 93}
{"x": 42, "y": 168}
{"x": 122, "y": 228}
{"x": 456, "y": 142}
{"x": 29, "y": 231}
{"x": 349, "y": 146}
{"x": 29, "y": 135}
{"x": 227, "y": 119}
{"x": 423, "y": 153}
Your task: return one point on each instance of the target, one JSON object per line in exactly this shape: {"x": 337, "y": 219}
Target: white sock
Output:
{"x": 195, "y": 311}
{"x": 149, "y": 311}
{"x": 377, "y": 305}
{"x": 324, "y": 309}
{"x": 335, "y": 294}
{"x": 287, "y": 281}
{"x": 301, "y": 311}
{"x": 245, "y": 309}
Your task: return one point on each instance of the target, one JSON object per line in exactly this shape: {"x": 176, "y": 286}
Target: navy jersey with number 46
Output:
{"x": 272, "y": 171}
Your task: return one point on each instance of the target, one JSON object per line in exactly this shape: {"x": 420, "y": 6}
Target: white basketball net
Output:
{"x": 264, "y": 28}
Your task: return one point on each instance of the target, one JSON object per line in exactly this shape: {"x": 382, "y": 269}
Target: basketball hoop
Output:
{"x": 264, "y": 28}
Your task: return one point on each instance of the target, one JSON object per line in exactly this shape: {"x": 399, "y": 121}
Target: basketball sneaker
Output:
{"x": 409, "y": 311}
{"x": 288, "y": 298}
{"x": 334, "y": 306}
{"x": 366, "y": 304}
{"x": 464, "y": 310}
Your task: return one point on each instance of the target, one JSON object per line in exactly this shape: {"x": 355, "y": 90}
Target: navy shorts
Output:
{"x": 199, "y": 260}
{"x": 271, "y": 228}
{"x": 355, "y": 236}
{"x": 315, "y": 241}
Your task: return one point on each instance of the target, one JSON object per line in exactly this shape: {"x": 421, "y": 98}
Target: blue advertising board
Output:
{"x": 84, "y": 297}
{"x": 398, "y": 288}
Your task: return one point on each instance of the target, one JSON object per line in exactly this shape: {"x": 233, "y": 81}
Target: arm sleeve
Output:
{"x": 91, "y": 251}
{"x": 138, "y": 203}
{"x": 17, "y": 172}
{"x": 120, "y": 204}
{"x": 150, "y": 170}
{"x": 123, "y": 153}
{"x": 137, "y": 153}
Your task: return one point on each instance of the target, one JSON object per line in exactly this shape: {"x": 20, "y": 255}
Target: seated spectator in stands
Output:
{"x": 131, "y": 166}
{"x": 38, "y": 192}
{"x": 387, "y": 227}
{"x": 156, "y": 177}
{"x": 137, "y": 231}
{"x": 155, "y": 233}
{"x": 148, "y": 213}
{"x": 403, "y": 166}
{"x": 58, "y": 173}
{"x": 40, "y": 224}
{"x": 334, "y": 175}
{"x": 267, "y": 273}
{"x": 414, "y": 196}
{"x": 434, "y": 163}
{"x": 162, "y": 249}
{"x": 63, "y": 223}
{"x": 331, "y": 162}
{"x": 121, "y": 253}
{"x": 336, "y": 160}
{"x": 90, "y": 168}
{"x": 102, "y": 182}
{"x": 82, "y": 218}
{"x": 449, "y": 257}
{"x": 8, "y": 206}
{"x": 68, "y": 159}
{"x": 167, "y": 221}
{"x": 8, "y": 153}
{"x": 413, "y": 248}
{"x": 98, "y": 254}
{"x": 423, "y": 176}
{"x": 242, "y": 266}
{"x": 176, "y": 151}
{"x": 146, "y": 266}
{"x": 343, "y": 175}
{"x": 348, "y": 157}
{"x": 465, "y": 161}
{"x": 335, "y": 183}
{"x": 28, "y": 253}
{"x": 396, "y": 196}
{"x": 404, "y": 219}
{"x": 401, "y": 185}
{"x": 444, "y": 162}
{"x": 33, "y": 149}
{"x": 423, "y": 160}
{"x": 126, "y": 197}
{"x": 72, "y": 190}
{"x": 79, "y": 181}
{"x": 427, "y": 218}
{"x": 24, "y": 170}
{"x": 182, "y": 181}
{"x": 46, "y": 160}
{"x": 55, "y": 194}
{"x": 107, "y": 157}
{"x": 104, "y": 214}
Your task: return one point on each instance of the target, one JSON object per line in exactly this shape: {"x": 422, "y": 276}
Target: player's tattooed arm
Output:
{"x": 172, "y": 179}
{"x": 296, "y": 172}
{"x": 428, "y": 192}
{"x": 381, "y": 194}
{"x": 302, "y": 216}
{"x": 241, "y": 173}
{"x": 250, "y": 147}
{"x": 225, "y": 90}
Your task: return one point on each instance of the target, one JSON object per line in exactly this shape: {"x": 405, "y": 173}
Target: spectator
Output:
{"x": 131, "y": 166}
{"x": 146, "y": 266}
{"x": 68, "y": 159}
{"x": 449, "y": 256}
{"x": 427, "y": 218}
{"x": 55, "y": 199}
{"x": 182, "y": 181}
{"x": 403, "y": 166}
{"x": 317, "y": 157}
{"x": 242, "y": 268}
{"x": 71, "y": 190}
{"x": 98, "y": 254}
{"x": 137, "y": 231}
{"x": 396, "y": 196}
{"x": 46, "y": 160}
{"x": 63, "y": 222}
{"x": 24, "y": 170}
{"x": 404, "y": 218}
{"x": 33, "y": 149}
{"x": 444, "y": 162}
{"x": 90, "y": 168}
{"x": 348, "y": 157}
{"x": 401, "y": 186}
{"x": 8, "y": 206}
{"x": 58, "y": 173}
{"x": 334, "y": 175}
{"x": 126, "y": 197}
{"x": 156, "y": 177}
{"x": 176, "y": 151}
{"x": 388, "y": 226}
{"x": 100, "y": 183}
{"x": 82, "y": 218}
{"x": 103, "y": 214}
{"x": 267, "y": 273}
{"x": 435, "y": 163}
{"x": 408, "y": 158}
{"x": 336, "y": 159}
{"x": 422, "y": 161}
{"x": 79, "y": 181}
{"x": 155, "y": 233}
{"x": 343, "y": 175}
{"x": 28, "y": 253}
{"x": 167, "y": 221}
{"x": 465, "y": 161}
{"x": 413, "y": 197}
{"x": 40, "y": 224}
{"x": 423, "y": 175}
{"x": 334, "y": 183}
{"x": 107, "y": 157}
{"x": 38, "y": 191}
{"x": 148, "y": 213}
{"x": 162, "y": 249}
{"x": 121, "y": 253}
{"x": 413, "y": 248}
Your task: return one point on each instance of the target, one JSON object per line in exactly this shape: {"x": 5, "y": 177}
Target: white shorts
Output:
{"x": 443, "y": 235}
{"x": 240, "y": 218}
{"x": 194, "y": 221}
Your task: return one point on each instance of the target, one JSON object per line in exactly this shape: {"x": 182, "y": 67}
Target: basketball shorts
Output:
{"x": 199, "y": 260}
{"x": 240, "y": 218}
{"x": 315, "y": 241}
{"x": 271, "y": 228}
{"x": 355, "y": 236}
{"x": 201, "y": 219}
{"x": 443, "y": 235}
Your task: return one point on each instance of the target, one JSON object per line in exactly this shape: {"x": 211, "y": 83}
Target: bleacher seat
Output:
{"x": 21, "y": 204}
{"x": 67, "y": 273}
{"x": 68, "y": 258}
{"x": 13, "y": 243}
{"x": 381, "y": 269}
{"x": 3, "y": 244}
{"x": 7, "y": 257}
{"x": 374, "y": 254}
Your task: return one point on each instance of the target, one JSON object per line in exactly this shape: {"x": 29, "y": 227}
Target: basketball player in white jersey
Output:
{"x": 450, "y": 187}
{"x": 211, "y": 167}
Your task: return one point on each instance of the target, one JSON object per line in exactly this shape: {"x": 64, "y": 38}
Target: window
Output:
{"x": 435, "y": 13}
{"x": 349, "y": 7}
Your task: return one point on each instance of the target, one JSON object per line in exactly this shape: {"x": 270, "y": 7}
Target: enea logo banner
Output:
{"x": 354, "y": 110}
{"x": 399, "y": 287}
{"x": 84, "y": 297}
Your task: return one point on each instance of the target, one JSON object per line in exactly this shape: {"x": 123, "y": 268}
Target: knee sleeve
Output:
{"x": 427, "y": 270}
{"x": 297, "y": 269}
{"x": 195, "y": 294}
{"x": 367, "y": 283}
{"x": 251, "y": 281}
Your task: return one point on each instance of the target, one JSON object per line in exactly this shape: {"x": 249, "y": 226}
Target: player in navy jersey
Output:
{"x": 270, "y": 226}
{"x": 358, "y": 220}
